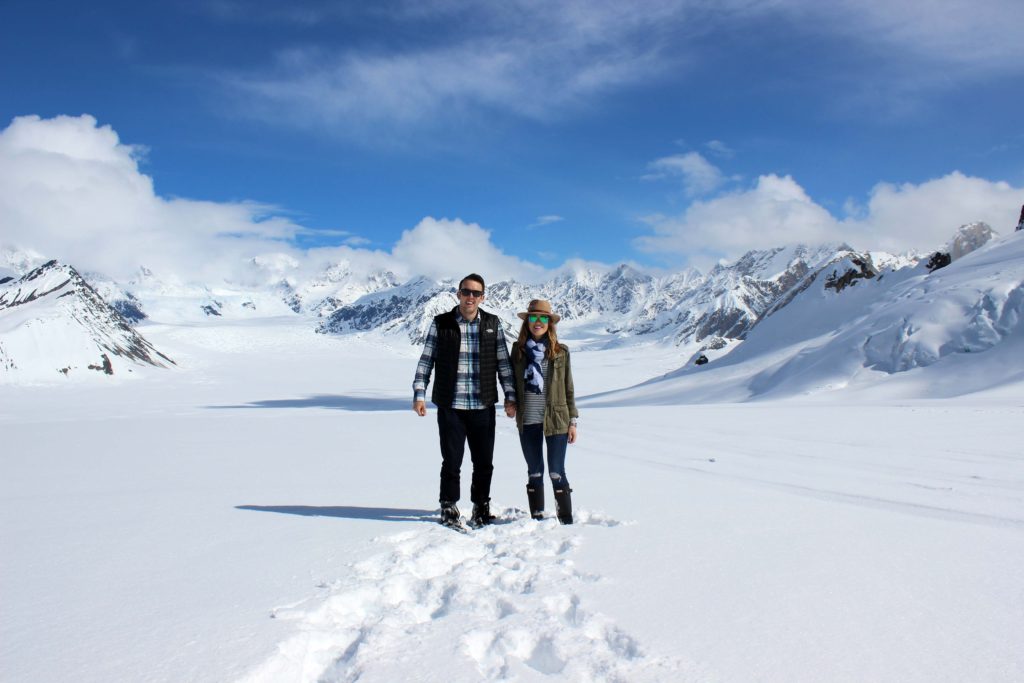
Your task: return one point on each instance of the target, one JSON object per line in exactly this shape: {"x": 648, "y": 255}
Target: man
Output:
{"x": 467, "y": 348}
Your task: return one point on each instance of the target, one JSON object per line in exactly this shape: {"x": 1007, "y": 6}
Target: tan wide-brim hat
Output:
{"x": 541, "y": 306}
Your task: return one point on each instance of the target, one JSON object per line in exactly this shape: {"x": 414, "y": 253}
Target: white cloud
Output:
{"x": 700, "y": 177}
{"x": 532, "y": 59}
{"x": 968, "y": 36}
{"x": 777, "y": 211}
{"x": 720, "y": 149}
{"x": 443, "y": 248}
{"x": 71, "y": 190}
{"x": 546, "y": 220}
{"x": 924, "y": 216}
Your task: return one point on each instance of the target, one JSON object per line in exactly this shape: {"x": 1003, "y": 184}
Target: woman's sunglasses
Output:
{"x": 534, "y": 318}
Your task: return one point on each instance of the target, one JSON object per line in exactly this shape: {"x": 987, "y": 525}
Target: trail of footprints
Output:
{"x": 497, "y": 604}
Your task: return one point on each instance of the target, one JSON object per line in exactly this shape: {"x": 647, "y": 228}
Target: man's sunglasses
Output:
{"x": 476, "y": 293}
{"x": 534, "y": 318}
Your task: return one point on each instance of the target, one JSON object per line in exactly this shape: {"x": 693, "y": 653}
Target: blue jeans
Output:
{"x": 532, "y": 440}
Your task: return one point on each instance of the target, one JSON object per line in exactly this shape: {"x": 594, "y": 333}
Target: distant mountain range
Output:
{"x": 623, "y": 303}
{"x": 52, "y": 320}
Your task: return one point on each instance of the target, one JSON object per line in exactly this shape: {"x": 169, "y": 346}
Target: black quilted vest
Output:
{"x": 446, "y": 362}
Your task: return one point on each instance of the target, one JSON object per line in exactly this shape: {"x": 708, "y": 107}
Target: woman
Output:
{"x": 547, "y": 406}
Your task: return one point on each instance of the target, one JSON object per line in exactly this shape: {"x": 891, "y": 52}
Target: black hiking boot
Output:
{"x": 450, "y": 515}
{"x": 563, "y": 501}
{"x": 535, "y": 495}
{"x": 481, "y": 514}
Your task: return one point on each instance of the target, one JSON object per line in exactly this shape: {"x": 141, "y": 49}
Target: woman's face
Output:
{"x": 538, "y": 324}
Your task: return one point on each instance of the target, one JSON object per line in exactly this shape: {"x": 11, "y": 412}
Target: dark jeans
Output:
{"x": 532, "y": 440}
{"x": 456, "y": 427}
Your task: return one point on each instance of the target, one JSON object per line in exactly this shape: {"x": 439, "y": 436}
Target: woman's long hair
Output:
{"x": 552, "y": 338}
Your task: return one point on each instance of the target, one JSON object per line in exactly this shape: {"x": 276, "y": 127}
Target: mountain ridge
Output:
{"x": 53, "y": 321}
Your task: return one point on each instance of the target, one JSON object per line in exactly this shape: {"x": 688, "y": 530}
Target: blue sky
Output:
{"x": 659, "y": 132}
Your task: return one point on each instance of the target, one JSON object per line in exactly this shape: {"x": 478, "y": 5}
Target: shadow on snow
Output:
{"x": 337, "y": 402}
{"x": 348, "y": 512}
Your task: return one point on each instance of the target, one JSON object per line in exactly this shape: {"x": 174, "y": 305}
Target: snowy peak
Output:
{"x": 848, "y": 271}
{"x": 41, "y": 282}
{"x": 968, "y": 238}
{"x": 52, "y": 320}
{"x": 780, "y": 262}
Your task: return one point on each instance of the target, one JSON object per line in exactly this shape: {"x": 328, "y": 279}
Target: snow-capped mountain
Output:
{"x": 874, "y": 331}
{"x": 52, "y": 321}
{"x": 339, "y": 284}
{"x": 709, "y": 317}
{"x": 615, "y": 303}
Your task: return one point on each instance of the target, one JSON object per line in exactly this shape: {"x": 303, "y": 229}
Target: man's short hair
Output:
{"x": 475, "y": 278}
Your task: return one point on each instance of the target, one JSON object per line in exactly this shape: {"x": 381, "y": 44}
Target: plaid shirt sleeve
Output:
{"x": 426, "y": 365}
{"x": 508, "y": 383}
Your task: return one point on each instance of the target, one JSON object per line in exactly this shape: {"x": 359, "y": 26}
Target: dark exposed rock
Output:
{"x": 701, "y": 360}
{"x": 106, "y": 367}
{"x": 862, "y": 270}
{"x": 212, "y": 309}
{"x": 938, "y": 260}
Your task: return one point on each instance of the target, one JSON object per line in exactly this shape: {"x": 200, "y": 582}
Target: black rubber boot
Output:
{"x": 563, "y": 501}
{"x": 535, "y": 494}
{"x": 481, "y": 514}
{"x": 450, "y": 514}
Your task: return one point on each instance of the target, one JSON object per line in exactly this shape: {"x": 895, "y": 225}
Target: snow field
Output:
{"x": 266, "y": 513}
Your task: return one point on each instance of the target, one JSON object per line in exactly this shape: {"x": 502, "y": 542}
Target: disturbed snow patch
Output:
{"x": 498, "y": 603}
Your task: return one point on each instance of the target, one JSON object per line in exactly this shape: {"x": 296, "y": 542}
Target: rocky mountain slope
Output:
{"x": 52, "y": 321}
{"x": 914, "y": 331}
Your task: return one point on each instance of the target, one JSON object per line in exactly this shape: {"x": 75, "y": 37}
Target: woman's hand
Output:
{"x": 572, "y": 433}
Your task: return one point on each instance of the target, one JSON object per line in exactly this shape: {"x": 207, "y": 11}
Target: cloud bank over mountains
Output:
{"x": 71, "y": 189}
{"x": 775, "y": 210}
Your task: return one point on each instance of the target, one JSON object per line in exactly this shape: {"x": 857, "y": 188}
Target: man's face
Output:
{"x": 470, "y": 294}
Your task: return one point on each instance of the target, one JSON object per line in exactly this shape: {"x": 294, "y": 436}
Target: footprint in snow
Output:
{"x": 499, "y": 603}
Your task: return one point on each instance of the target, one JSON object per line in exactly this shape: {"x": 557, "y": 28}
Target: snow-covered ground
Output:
{"x": 264, "y": 512}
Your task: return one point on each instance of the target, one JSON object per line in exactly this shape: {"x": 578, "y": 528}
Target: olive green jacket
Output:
{"x": 559, "y": 395}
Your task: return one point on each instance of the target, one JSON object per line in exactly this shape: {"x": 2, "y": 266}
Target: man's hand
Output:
{"x": 420, "y": 407}
{"x": 510, "y": 409}
{"x": 572, "y": 433}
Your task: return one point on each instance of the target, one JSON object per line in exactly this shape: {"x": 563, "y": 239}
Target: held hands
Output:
{"x": 420, "y": 407}
{"x": 510, "y": 409}
{"x": 572, "y": 433}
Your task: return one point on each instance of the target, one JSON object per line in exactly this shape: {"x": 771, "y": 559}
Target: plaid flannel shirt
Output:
{"x": 467, "y": 382}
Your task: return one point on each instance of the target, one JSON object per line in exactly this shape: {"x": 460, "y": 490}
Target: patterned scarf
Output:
{"x": 534, "y": 351}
